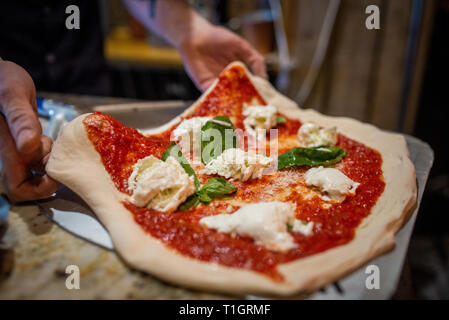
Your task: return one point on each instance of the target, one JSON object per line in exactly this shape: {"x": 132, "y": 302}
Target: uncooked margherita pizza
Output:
{"x": 244, "y": 192}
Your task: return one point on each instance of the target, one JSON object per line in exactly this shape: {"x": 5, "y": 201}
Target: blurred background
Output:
{"x": 320, "y": 54}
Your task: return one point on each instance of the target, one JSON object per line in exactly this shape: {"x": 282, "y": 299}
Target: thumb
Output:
{"x": 204, "y": 85}
{"x": 24, "y": 125}
{"x": 253, "y": 59}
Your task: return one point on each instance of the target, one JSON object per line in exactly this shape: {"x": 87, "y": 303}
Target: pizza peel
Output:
{"x": 71, "y": 213}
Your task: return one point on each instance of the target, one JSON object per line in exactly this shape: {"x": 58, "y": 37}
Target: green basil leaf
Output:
{"x": 317, "y": 156}
{"x": 217, "y": 135}
{"x": 280, "y": 120}
{"x": 174, "y": 151}
{"x": 191, "y": 201}
{"x": 289, "y": 227}
{"x": 214, "y": 188}
{"x": 218, "y": 187}
{"x": 203, "y": 197}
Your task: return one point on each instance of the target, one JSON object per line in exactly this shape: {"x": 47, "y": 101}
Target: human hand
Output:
{"x": 24, "y": 150}
{"x": 210, "y": 49}
{"x": 205, "y": 49}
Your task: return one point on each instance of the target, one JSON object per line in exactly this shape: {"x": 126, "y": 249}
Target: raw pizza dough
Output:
{"x": 76, "y": 163}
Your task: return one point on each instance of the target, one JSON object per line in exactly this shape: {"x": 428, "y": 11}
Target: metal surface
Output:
{"x": 4, "y": 209}
{"x": 69, "y": 211}
{"x": 144, "y": 116}
{"x": 59, "y": 115}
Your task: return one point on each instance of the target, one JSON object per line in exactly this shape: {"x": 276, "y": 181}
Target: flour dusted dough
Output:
{"x": 75, "y": 162}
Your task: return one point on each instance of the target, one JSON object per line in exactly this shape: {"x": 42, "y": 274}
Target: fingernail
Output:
{"x": 45, "y": 160}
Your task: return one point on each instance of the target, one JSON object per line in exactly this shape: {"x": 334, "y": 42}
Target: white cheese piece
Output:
{"x": 311, "y": 135}
{"x": 265, "y": 222}
{"x": 238, "y": 165}
{"x": 159, "y": 185}
{"x": 259, "y": 118}
{"x": 332, "y": 183}
{"x": 187, "y": 133}
{"x": 306, "y": 228}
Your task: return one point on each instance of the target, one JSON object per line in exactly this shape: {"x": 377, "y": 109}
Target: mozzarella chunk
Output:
{"x": 332, "y": 183}
{"x": 259, "y": 117}
{"x": 187, "y": 133}
{"x": 311, "y": 135}
{"x": 159, "y": 185}
{"x": 238, "y": 165}
{"x": 306, "y": 228}
{"x": 265, "y": 222}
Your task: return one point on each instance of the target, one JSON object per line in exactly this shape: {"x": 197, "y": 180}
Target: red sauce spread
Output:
{"x": 233, "y": 90}
{"x": 120, "y": 147}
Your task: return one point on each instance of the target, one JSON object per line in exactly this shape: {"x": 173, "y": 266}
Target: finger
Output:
{"x": 34, "y": 189}
{"x": 44, "y": 186}
{"x": 14, "y": 171}
{"x": 205, "y": 84}
{"x": 253, "y": 59}
{"x": 47, "y": 144}
{"x": 200, "y": 74}
{"x": 45, "y": 161}
{"x": 42, "y": 159}
{"x": 258, "y": 67}
{"x": 24, "y": 125}
{"x": 17, "y": 178}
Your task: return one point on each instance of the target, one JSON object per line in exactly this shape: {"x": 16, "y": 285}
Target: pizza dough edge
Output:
{"x": 374, "y": 236}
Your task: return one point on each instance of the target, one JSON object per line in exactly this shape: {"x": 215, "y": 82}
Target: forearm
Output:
{"x": 174, "y": 20}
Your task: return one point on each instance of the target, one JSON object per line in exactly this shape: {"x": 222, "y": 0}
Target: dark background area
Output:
{"x": 431, "y": 124}
{"x": 429, "y": 248}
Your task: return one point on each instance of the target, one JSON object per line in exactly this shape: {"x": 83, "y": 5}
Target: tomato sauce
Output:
{"x": 120, "y": 147}
{"x": 233, "y": 90}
